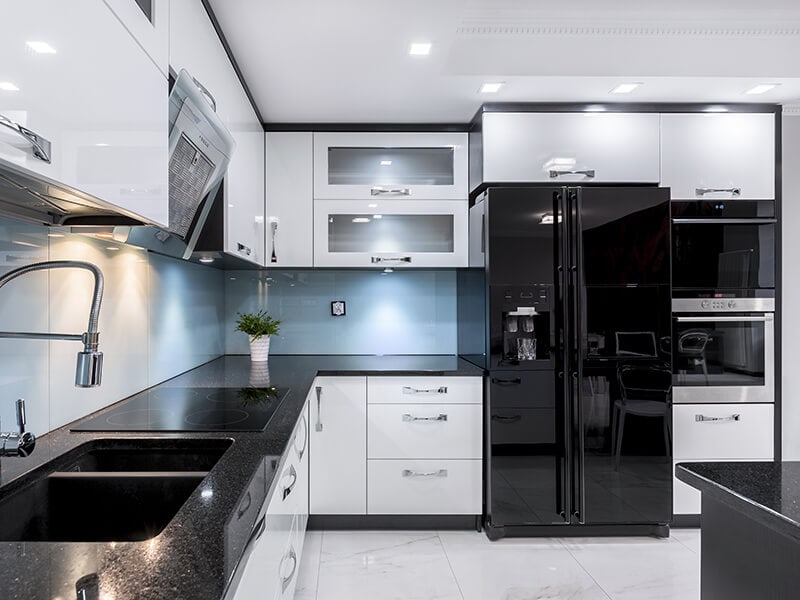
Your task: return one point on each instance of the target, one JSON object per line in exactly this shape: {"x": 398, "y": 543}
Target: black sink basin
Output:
{"x": 107, "y": 490}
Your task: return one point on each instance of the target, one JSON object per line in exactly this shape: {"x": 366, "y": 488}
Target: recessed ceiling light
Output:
{"x": 385, "y": 163}
{"x": 206, "y": 259}
{"x": 41, "y": 47}
{"x": 420, "y": 49}
{"x": 372, "y": 205}
{"x": 625, "y": 88}
{"x": 102, "y": 145}
{"x": 491, "y": 87}
{"x": 764, "y": 87}
{"x": 361, "y": 220}
{"x": 7, "y": 86}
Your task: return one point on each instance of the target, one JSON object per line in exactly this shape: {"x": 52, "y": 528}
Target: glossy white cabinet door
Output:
{"x": 151, "y": 33}
{"x": 718, "y": 151}
{"x": 99, "y": 100}
{"x": 426, "y": 389}
{"x": 338, "y": 446}
{"x": 244, "y": 198}
{"x": 290, "y": 199}
{"x": 369, "y": 165}
{"x": 477, "y": 235}
{"x": 600, "y": 147}
{"x": 735, "y": 431}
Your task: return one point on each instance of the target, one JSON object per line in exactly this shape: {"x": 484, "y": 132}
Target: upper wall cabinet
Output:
{"x": 568, "y": 147}
{"x": 148, "y": 22}
{"x": 82, "y": 104}
{"x": 718, "y": 155}
{"x": 195, "y": 46}
{"x": 290, "y": 199}
{"x": 417, "y": 166}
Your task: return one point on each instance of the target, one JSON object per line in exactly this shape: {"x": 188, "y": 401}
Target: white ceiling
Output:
{"x": 346, "y": 61}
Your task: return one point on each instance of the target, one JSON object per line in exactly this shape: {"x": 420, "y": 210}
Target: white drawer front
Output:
{"x": 685, "y": 498}
{"x": 424, "y": 487}
{"x": 424, "y": 431}
{"x": 418, "y": 390}
{"x": 740, "y": 431}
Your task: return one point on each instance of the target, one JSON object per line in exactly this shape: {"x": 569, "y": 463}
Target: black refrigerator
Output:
{"x": 577, "y": 304}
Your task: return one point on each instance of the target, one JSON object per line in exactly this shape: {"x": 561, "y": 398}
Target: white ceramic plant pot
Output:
{"x": 259, "y": 349}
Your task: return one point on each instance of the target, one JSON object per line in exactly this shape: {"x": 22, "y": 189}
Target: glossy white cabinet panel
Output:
{"x": 244, "y": 198}
{"x": 99, "y": 101}
{"x": 685, "y": 498}
{"x": 290, "y": 199}
{"x": 425, "y": 389}
{"x": 369, "y": 165}
{"x": 153, "y": 33}
{"x": 390, "y": 233}
{"x": 424, "y": 487}
{"x": 545, "y": 147}
{"x": 338, "y": 446}
{"x": 424, "y": 431}
{"x": 477, "y": 235}
{"x": 733, "y": 431}
{"x": 718, "y": 151}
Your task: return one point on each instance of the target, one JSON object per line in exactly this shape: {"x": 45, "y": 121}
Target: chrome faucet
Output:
{"x": 88, "y": 372}
{"x": 19, "y": 443}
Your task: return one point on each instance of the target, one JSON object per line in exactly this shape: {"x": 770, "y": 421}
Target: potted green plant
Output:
{"x": 259, "y": 326}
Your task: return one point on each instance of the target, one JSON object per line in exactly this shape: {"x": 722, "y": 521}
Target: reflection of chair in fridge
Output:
{"x": 692, "y": 346}
{"x": 644, "y": 392}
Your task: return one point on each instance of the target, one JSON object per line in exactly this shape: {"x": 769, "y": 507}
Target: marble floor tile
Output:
{"x": 356, "y": 565}
{"x": 516, "y": 569}
{"x": 308, "y": 575}
{"x": 639, "y": 568}
{"x": 688, "y": 537}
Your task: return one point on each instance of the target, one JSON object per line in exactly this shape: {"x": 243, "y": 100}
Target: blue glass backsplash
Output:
{"x": 404, "y": 312}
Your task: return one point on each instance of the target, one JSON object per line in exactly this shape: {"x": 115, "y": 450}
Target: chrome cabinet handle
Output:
{"x": 288, "y": 489}
{"x": 705, "y": 419}
{"x": 242, "y": 248}
{"x": 40, "y": 147}
{"x": 318, "y": 426}
{"x": 382, "y": 259}
{"x": 379, "y": 190}
{"x": 206, "y": 93}
{"x": 273, "y": 224}
{"x": 734, "y": 191}
{"x": 440, "y": 417}
{"x": 558, "y": 173}
{"x": 507, "y": 419}
{"x": 411, "y": 473}
{"x": 285, "y": 581}
{"x": 514, "y": 381}
{"x": 302, "y": 450}
{"x": 410, "y": 390}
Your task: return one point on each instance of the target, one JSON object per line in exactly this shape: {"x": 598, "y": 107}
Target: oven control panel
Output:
{"x": 695, "y": 305}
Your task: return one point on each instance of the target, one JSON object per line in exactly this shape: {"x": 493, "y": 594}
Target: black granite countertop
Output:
{"x": 768, "y": 492}
{"x": 196, "y": 555}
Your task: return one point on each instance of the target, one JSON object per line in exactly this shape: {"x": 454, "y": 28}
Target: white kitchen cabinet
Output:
{"x": 701, "y": 153}
{"x": 149, "y": 25}
{"x": 195, "y": 46}
{"x": 290, "y": 194}
{"x": 570, "y": 147}
{"x": 97, "y": 105}
{"x": 338, "y": 446}
{"x": 390, "y": 233}
{"x": 425, "y": 389}
{"x": 369, "y": 165}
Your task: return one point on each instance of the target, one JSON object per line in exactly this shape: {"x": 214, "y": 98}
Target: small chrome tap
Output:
{"x": 19, "y": 443}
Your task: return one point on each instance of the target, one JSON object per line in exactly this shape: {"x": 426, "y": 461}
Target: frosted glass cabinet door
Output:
{"x": 93, "y": 95}
{"x": 390, "y": 165}
{"x": 712, "y": 155}
{"x": 409, "y": 233}
{"x": 573, "y": 147}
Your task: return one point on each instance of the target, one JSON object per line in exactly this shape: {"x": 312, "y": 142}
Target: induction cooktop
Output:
{"x": 191, "y": 409}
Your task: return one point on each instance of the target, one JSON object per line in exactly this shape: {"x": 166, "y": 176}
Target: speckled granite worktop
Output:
{"x": 196, "y": 555}
{"x": 768, "y": 492}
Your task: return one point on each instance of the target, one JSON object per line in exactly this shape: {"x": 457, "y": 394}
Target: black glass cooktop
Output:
{"x": 191, "y": 409}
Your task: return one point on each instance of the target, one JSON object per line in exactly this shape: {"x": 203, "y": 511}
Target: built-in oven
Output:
{"x": 723, "y": 247}
{"x": 723, "y": 349}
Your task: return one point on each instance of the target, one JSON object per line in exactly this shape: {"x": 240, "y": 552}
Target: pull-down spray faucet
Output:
{"x": 88, "y": 372}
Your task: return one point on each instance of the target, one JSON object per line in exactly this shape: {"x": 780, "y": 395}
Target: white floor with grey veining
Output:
{"x": 464, "y": 565}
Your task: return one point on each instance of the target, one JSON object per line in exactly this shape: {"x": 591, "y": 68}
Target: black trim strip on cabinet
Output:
{"x": 778, "y": 407}
{"x": 370, "y": 127}
{"x": 333, "y": 522}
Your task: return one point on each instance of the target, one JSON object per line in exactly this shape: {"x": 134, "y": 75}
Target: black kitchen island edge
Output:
{"x": 196, "y": 555}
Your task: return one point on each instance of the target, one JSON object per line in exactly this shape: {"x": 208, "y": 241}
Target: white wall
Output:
{"x": 790, "y": 330}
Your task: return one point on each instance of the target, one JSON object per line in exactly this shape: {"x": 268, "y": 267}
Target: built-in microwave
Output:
{"x": 390, "y": 233}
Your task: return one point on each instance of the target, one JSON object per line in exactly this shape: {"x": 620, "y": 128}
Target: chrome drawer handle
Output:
{"x": 318, "y": 426}
{"x": 411, "y": 390}
{"x": 383, "y": 259}
{"x": 285, "y": 581}
{"x": 440, "y": 417}
{"x": 287, "y": 489}
{"x": 734, "y": 191}
{"x": 244, "y": 249}
{"x": 381, "y": 191}
{"x": 40, "y": 147}
{"x": 557, "y": 173}
{"x": 410, "y": 473}
{"x": 705, "y": 419}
